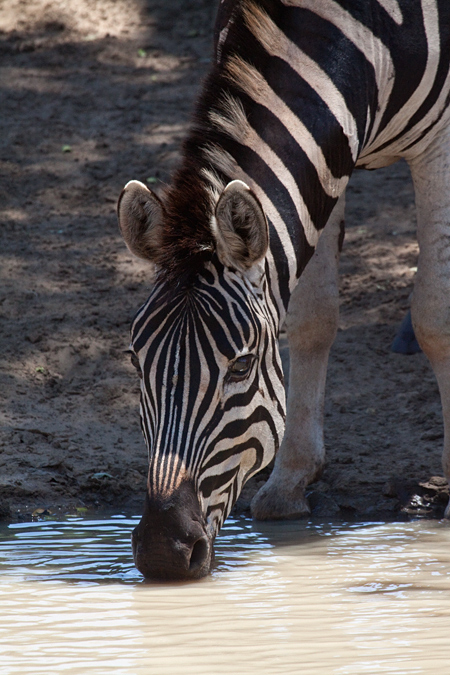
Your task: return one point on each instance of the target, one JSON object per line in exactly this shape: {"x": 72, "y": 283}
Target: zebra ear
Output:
{"x": 140, "y": 214}
{"x": 241, "y": 231}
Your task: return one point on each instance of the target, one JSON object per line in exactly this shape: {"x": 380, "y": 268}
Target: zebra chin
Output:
{"x": 171, "y": 542}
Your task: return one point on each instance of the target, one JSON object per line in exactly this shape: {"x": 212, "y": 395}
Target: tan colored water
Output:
{"x": 288, "y": 598}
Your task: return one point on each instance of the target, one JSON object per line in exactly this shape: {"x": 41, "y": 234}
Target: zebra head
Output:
{"x": 212, "y": 395}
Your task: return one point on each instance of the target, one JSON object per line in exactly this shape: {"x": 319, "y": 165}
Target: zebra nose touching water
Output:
{"x": 300, "y": 93}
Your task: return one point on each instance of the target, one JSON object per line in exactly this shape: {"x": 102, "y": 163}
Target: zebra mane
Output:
{"x": 207, "y": 163}
{"x": 187, "y": 241}
{"x": 189, "y": 201}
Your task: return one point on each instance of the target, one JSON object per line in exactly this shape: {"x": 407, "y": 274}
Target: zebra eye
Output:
{"x": 135, "y": 362}
{"x": 240, "y": 368}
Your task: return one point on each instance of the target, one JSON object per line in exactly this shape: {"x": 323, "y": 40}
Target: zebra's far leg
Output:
{"x": 311, "y": 324}
{"x": 430, "y": 305}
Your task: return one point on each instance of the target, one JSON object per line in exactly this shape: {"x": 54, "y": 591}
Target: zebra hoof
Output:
{"x": 271, "y": 503}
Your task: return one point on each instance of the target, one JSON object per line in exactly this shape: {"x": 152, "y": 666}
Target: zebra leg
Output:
{"x": 430, "y": 305}
{"x": 311, "y": 324}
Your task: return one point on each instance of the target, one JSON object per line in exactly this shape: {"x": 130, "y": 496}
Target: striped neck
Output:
{"x": 282, "y": 126}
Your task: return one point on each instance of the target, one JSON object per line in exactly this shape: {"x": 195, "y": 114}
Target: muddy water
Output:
{"x": 286, "y": 598}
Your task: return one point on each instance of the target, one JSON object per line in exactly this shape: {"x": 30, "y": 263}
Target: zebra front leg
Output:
{"x": 311, "y": 324}
{"x": 430, "y": 307}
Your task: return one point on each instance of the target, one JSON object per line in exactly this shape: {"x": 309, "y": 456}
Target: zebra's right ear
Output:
{"x": 140, "y": 214}
{"x": 240, "y": 227}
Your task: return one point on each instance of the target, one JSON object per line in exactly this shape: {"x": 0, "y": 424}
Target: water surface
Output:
{"x": 290, "y": 598}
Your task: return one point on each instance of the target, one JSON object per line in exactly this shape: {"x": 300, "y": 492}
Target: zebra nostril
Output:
{"x": 170, "y": 542}
{"x": 199, "y": 554}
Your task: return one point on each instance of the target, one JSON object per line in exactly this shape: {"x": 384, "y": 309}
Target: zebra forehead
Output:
{"x": 219, "y": 315}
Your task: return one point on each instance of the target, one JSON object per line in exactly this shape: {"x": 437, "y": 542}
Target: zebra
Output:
{"x": 300, "y": 93}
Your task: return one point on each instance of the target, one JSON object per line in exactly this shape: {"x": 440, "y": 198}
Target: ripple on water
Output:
{"x": 344, "y": 599}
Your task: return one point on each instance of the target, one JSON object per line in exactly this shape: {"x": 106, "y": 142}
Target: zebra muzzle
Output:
{"x": 170, "y": 542}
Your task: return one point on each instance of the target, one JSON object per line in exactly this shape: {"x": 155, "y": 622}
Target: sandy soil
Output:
{"x": 91, "y": 97}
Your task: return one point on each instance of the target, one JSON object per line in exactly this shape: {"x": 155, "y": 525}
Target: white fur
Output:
{"x": 250, "y": 80}
{"x": 277, "y": 44}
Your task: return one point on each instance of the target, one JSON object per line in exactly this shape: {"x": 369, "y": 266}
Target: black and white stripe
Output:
{"x": 301, "y": 93}
{"x": 189, "y": 410}
{"x": 326, "y": 86}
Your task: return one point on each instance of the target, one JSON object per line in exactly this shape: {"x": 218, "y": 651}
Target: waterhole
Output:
{"x": 315, "y": 599}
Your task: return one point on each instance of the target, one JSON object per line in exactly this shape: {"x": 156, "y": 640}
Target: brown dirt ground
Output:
{"x": 92, "y": 96}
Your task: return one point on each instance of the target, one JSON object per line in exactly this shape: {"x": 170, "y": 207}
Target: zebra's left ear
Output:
{"x": 241, "y": 231}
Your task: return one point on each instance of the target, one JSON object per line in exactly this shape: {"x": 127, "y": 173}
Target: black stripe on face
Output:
{"x": 212, "y": 402}
{"x": 165, "y": 359}
{"x": 192, "y": 374}
{"x": 193, "y": 378}
{"x": 233, "y": 306}
{"x": 201, "y": 322}
{"x": 154, "y": 302}
{"x": 147, "y": 419}
{"x": 265, "y": 371}
{"x": 208, "y": 485}
{"x": 227, "y": 337}
{"x": 182, "y": 385}
{"x": 156, "y": 313}
{"x": 149, "y": 393}
{"x": 176, "y": 387}
{"x": 214, "y": 508}
{"x": 217, "y": 321}
{"x": 239, "y": 427}
{"x": 247, "y": 314}
{"x": 242, "y": 399}
{"x": 223, "y": 455}
{"x": 216, "y": 337}
{"x": 152, "y": 384}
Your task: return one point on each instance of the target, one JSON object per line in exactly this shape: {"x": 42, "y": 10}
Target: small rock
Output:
{"x": 33, "y": 337}
{"x": 40, "y": 513}
{"x": 435, "y": 484}
{"x": 439, "y": 481}
{"x": 101, "y": 475}
{"x": 322, "y": 505}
